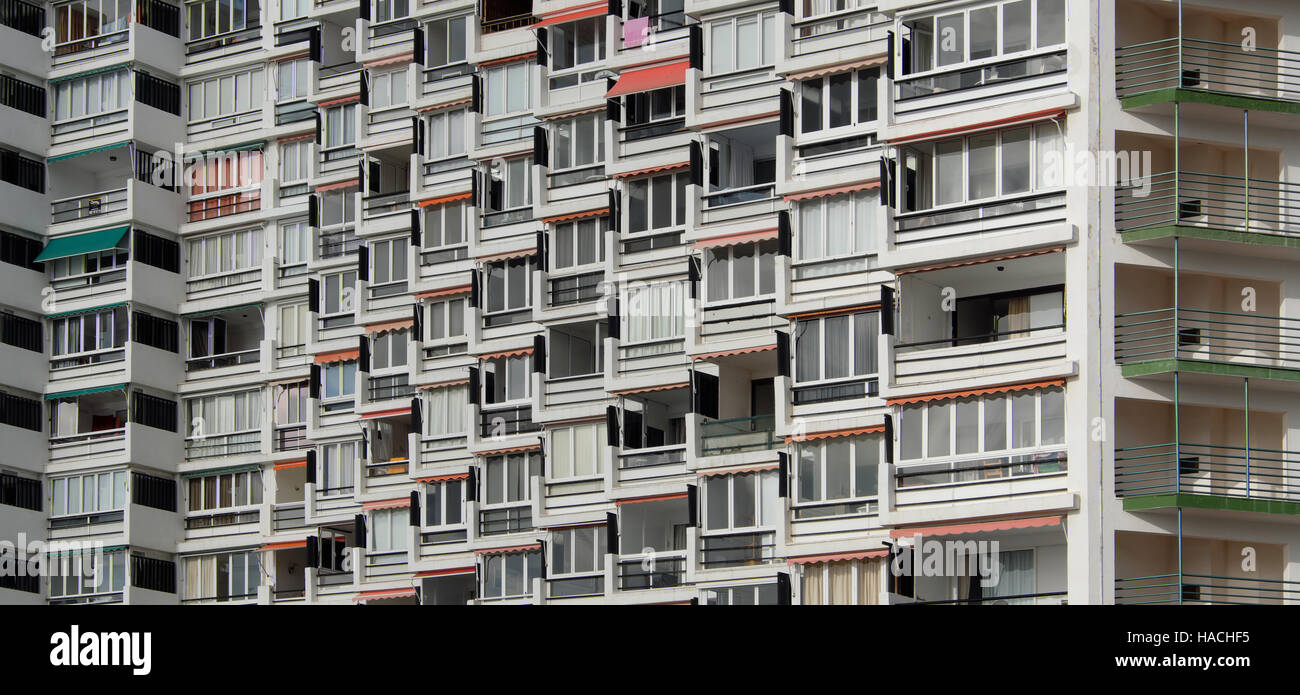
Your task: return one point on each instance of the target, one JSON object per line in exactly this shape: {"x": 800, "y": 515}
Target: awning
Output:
{"x": 90, "y": 310}
{"x": 507, "y": 353}
{"x": 338, "y": 356}
{"x": 838, "y": 557}
{"x": 217, "y": 471}
{"x": 977, "y": 127}
{"x": 725, "y": 240}
{"x": 88, "y": 73}
{"x": 442, "y": 384}
{"x": 644, "y": 80}
{"x": 92, "y": 150}
{"x": 285, "y": 545}
{"x": 389, "y": 326}
{"x": 443, "y": 478}
{"x": 521, "y": 253}
{"x": 983, "y": 527}
{"x": 338, "y": 184}
{"x": 286, "y": 465}
{"x": 735, "y": 471}
{"x": 441, "y": 200}
{"x": 387, "y": 504}
{"x": 78, "y": 244}
{"x": 834, "y": 312}
{"x": 653, "y": 498}
{"x": 404, "y": 58}
{"x": 443, "y": 573}
{"x": 381, "y": 594}
{"x": 511, "y": 549}
{"x": 1028, "y": 386}
{"x": 596, "y": 10}
{"x": 511, "y": 450}
{"x": 386, "y": 413}
{"x": 729, "y": 353}
{"x": 56, "y": 547}
{"x": 575, "y": 216}
{"x": 340, "y": 100}
{"x": 831, "y": 434}
{"x": 978, "y": 261}
{"x": 446, "y": 292}
{"x": 838, "y": 190}
{"x": 842, "y": 67}
{"x": 508, "y": 59}
{"x": 214, "y": 312}
{"x": 84, "y": 392}
{"x": 650, "y": 170}
{"x": 648, "y": 389}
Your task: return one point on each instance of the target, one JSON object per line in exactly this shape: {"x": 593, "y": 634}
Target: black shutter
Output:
{"x": 473, "y": 188}
{"x": 364, "y": 9}
{"x": 715, "y": 168}
{"x": 632, "y": 435}
{"x": 613, "y": 112}
{"x": 311, "y": 466}
{"x": 785, "y": 6}
{"x": 313, "y": 210}
{"x": 615, "y": 210}
{"x": 784, "y": 595}
{"x": 543, "y": 250}
{"x": 784, "y": 236}
{"x": 476, "y": 94}
{"x": 693, "y": 275}
{"x": 543, "y": 55}
{"x": 889, "y": 438}
{"x": 696, "y": 47}
{"x": 313, "y": 551}
{"x": 471, "y": 485}
{"x": 417, "y": 415}
{"x": 416, "y": 232}
{"x": 313, "y": 295}
{"x": 363, "y": 360}
{"x": 540, "y": 152}
{"x": 704, "y": 392}
{"x": 363, "y": 262}
{"x": 616, "y": 7}
{"x": 697, "y": 163}
{"x": 417, "y": 141}
{"x": 611, "y": 533}
{"x": 886, "y": 310}
{"x": 473, "y": 386}
{"x": 313, "y": 389}
{"x": 417, "y": 36}
{"x": 611, "y": 425}
{"x": 359, "y": 521}
{"x": 542, "y": 551}
{"x": 692, "y": 501}
{"x": 539, "y": 353}
{"x": 787, "y": 113}
{"x": 615, "y": 323}
{"x": 783, "y": 353}
{"x": 364, "y": 88}
{"x": 314, "y": 48}
{"x": 417, "y": 318}
{"x": 473, "y": 289}
{"x": 319, "y": 139}
{"x": 415, "y": 509}
{"x": 889, "y": 62}
{"x": 783, "y": 475}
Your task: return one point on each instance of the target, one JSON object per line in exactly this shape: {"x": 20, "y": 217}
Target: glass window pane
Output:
{"x": 838, "y": 466}
{"x": 983, "y": 163}
{"x": 938, "y": 429}
{"x": 995, "y": 423}
{"x": 1015, "y": 161}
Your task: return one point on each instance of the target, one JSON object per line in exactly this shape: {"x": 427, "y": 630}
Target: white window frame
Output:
{"x": 965, "y": 61}
{"x": 67, "y": 93}
{"x": 333, "y": 466}
{"x": 502, "y": 81}
{"x": 293, "y": 9}
{"x": 346, "y": 300}
{"x": 768, "y": 33}
{"x": 101, "y": 319}
{"x": 296, "y": 247}
{"x": 340, "y": 126}
{"x": 591, "y": 126}
{"x": 293, "y": 79}
{"x": 592, "y": 28}
{"x": 567, "y": 565}
{"x": 218, "y": 410}
{"x": 106, "y": 261}
{"x": 447, "y": 410}
{"x": 387, "y": 87}
{"x": 676, "y": 101}
{"x": 250, "y": 83}
{"x": 297, "y": 398}
{"x": 382, "y": 258}
{"x": 445, "y": 26}
{"x": 216, "y": 7}
{"x": 677, "y": 194}
{"x": 507, "y": 284}
{"x": 441, "y": 324}
{"x": 819, "y": 462}
{"x": 120, "y": 23}
{"x": 345, "y": 373}
{"x": 388, "y": 10}
{"x": 862, "y": 206}
{"x": 388, "y": 355}
{"x": 118, "y": 494}
{"x": 249, "y": 239}
{"x": 1043, "y": 138}
{"x": 764, "y": 483}
{"x": 388, "y": 530}
{"x": 716, "y": 267}
{"x": 851, "y": 350}
{"x": 503, "y": 461}
{"x": 63, "y": 568}
{"x": 503, "y": 368}
{"x": 196, "y": 569}
{"x": 253, "y": 492}
{"x": 571, "y": 238}
{"x": 855, "y": 104}
{"x": 527, "y": 563}
{"x": 435, "y": 225}
{"x": 645, "y": 326}
{"x": 565, "y": 454}
{"x": 296, "y": 159}
{"x": 444, "y": 502}
{"x": 447, "y": 134}
{"x": 948, "y": 408}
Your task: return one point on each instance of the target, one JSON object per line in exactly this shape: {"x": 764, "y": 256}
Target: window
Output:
{"x": 579, "y": 142}
{"x": 656, "y": 311}
{"x": 444, "y": 225}
{"x": 337, "y": 468}
{"x": 576, "y": 350}
{"x": 98, "y": 263}
{"x": 969, "y": 429}
{"x": 657, "y": 203}
{"x": 510, "y": 575}
{"x": 508, "y": 88}
{"x": 576, "y": 43}
{"x": 510, "y": 186}
{"x": 388, "y": 530}
{"x": 816, "y": 8}
{"x": 88, "y": 494}
{"x": 86, "y": 574}
{"x": 388, "y": 258}
{"x": 339, "y": 290}
{"x": 291, "y": 404}
{"x": 506, "y": 478}
{"x": 231, "y": 252}
{"x": 88, "y": 19}
{"x": 836, "y": 347}
{"x": 739, "y": 272}
{"x": 295, "y": 243}
{"x": 224, "y": 491}
{"x": 293, "y": 331}
{"x": 838, "y": 101}
{"x": 91, "y": 96}
{"x": 580, "y": 243}
{"x": 506, "y": 379}
{"x": 236, "y": 178}
{"x": 643, "y": 108}
{"x": 338, "y": 208}
{"x": 445, "y": 415}
{"x": 226, "y": 413}
{"x": 1008, "y": 315}
{"x": 742, "y": 43}
{"x": 987, "y": 165}
{"x": 386, "y": 10}
{"x": 293, "y": 9}
{"x": 446, "y": 319}
{"x": 984, "y": 33}
{"x": 389, "y": 351}
{"x": 236, "y": 93}
{"x": 835, "y": 227}
{"x": 741, "y": 501}
{"x": 578, "y": 551}
{"x": 388, "y": 88}
{"x": 87, "y": 333}
{"x": 444, "y": 503}
{"x": 579, "y": 451}
{"x": 223, "y": 576}
{"x": 446, "y": 134}
{"x": 295, "y": 77}
{"x": 340, "y": 125}
{"x": 847, "y": 583}
{"x": 295, "y": 163}
{"x": 508, "y": 285}
{"x": 446, "y": 41}
{"x": 754, "y": 595}
{"x": 210, "y": 18}
{"x": 837, "y": 470}
{"x": 339, "y": 380}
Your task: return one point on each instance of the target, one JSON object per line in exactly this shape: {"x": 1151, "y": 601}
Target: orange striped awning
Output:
{"x": 445, "y": 105}
{"x": 648, "y": 389}
{"x": 286, "y": 465}
{"x": 338, "y": 184}
{"x": 443, "y": 478}
{"x": 507, "y": 353}
{"x": 511, "y": 549}
{"x": 646, "y": 79}
{"x": 511, "y": 450}
{"x": 1019, "y": 119}
{"x": 835, "y": 312}
{"x": 386, "y": 413}
{"x": 729, "y": 353}
{"x": 341, "y": 100}
{"x": 443, "y": 384}
{"x": 338, "y": 356}
{"x": 650, "y": 170}
{"x": 575, "y": 216}
{"x": 296, "y": 138}
{"x": 595, "y": 9}
{"x": 508, "y": 59}
{"x": 285, "y": 545}
{"x": 733, "y": 471}
{"x": 652, "y": 498}
{"x": 446, "y": 292}
{"x": 442, "y": 573}
{"x": 396, "y": 503}
{"x": 404, "y": 58}
{"x": 1027, "y": 386}
{"x": 380, "y": 594}
{"x": 389, "y": 326}
{"x": 442, "y": 200}
{"x": 842, "y": 67}
{"x": 980, "y": 527}
{"x": 978, "y": 261}
{"x": 838, "y": 190}
{"x": 838, "y": 557}
{"x": 521, "y": 253}
{"x": 831, "y": 434}
{"x": 736, "y": 239}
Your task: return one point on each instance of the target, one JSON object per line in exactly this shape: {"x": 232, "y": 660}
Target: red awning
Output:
{"x": 837, "y": 557}
{"x": 443, "y": 573}
{"x": 736, "y": 239}
{"x": 831, "y": 434}
{"x": 842, "y": 67}
{"x": 339, "y": 356}
{"x": 285, "y": 545}
{"x": 387, "y": 504}
{"x": 833, "y": 312}
{"x": 598, "y": 9}
{"x": 983, "y": 527}
{"x": 1027, "y": 386}
{"x": 521, "y": 253}
{"x": 380, "y": 594}
{"x": 386, "y": 413}
{"x": 440, "y": 200}
{"x": 733, "y": 471}
{"x": 507, "y": 353}
{"x": 285, "y": 465}
{"x": 443, "y": 478}
{"x": 511, "y": 450}
{"x": 338, "y": 184}
{"x": 824, "y": 192}
{"x": 648, "y": 389}
{"x": 575, "y": 216}
{"x": 654, "y": 498}
{"x": 387, "y": 326}
{"x": 650, "y": 170}
{"x": 442, "y": 384}
{"x": 511, "y": 549}
{"x": 729, "y": 353}
{"x": 644, "y": 80}
{"x": 446, "y": 292}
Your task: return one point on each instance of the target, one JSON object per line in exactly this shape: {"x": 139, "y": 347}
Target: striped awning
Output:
{"x": 444, "y": 199}
{"x": 725, "y": 240}
{"x": 389, "y": 326}
{"x": 947, "y": 395}
{"x": 387, "y": 504}
{"x": 575, "y": 216}
{"x": 838, "y": 557}
{"x": 381, "y": 594}
{"x": 510, "y": 549}
{"x": 507, "y": 353}
{"x": 652, "y": 498}
{"x": 443, "y": 573}
{"x": 835, "y": 190}
{"x": 84, "y": 392}
{"x": 735, "y": 471}
{"x": 92, "y": 150}
{"x": 285, "y": 545}
{"x": 980, "y": 527}
{"x": 89, "y": 310}
{"x": 78, "y": 244}
{"x": 337, "y": 356}
{"x": 729, "y": 353}
{"x": 446, "y": 292}
{"x": 443, "y": 478}
{"x": 831, "y": 434}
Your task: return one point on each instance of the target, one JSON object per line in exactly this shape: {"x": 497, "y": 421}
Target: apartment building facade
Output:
{"x": 648, "y": 301}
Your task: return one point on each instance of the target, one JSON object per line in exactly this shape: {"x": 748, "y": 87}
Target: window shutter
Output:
{"x": 785, "y": 6}
{"x": 784, "y": 236}
{"x": 543, "y": 55}
{"x": 363, "y": 263}
{"x": 473, "y": 289}
{"x": 364, "y": 88}
{"x": 319, "y": 139}
{"x": 539, "y": 353}
{"x": 416, "y": 232}
{"x": 314, "y": 46}
{"x": 697, "y": 163}
{"x": 787, "y": 113}
{"x": 313, "y": 295}
{"x": 539, "y": 145}
{"x": 314, "y": 383}
{"x": 473, "y": 386}
{"x": 889, "y": 62}
{"x": 696, "y": 47}
{"x": 476, "y": 94}
{"x": 886, "y": 310}
{"x": 417, "y": 415}
{"x": 417, "y": 318}
{"x": 613, "y": 110}
{"x": 632, "y": 438}
{"x": 495, "y": 193}
{"x": 415, "y": 509}
{"x": 615, "y": 324}
{"x": 313, "y": 551}
{"x": 783, "y": 474}
{"x": 611, "y": 425}
{"x": 704, "y": 394}
{"x": 693, "y": 275}
{"x": 715, "y": 168}
{"x": 417, "y": 139}
{"x": 417, "y": 37}
{"x": 782, "y": 353}
{"x": 611, "y": 533}
{"x": 471, "y": 485}
{"x": 615, "y": 210}
{"x": 889, "y": 438}
{"x": 313, "y": 210}
{"x": 473, "y": 188}
{"x": 360, "y": 529}
{"x": 311, "y": 466}
{"x": 692, "y": 501}
{"x": 616, "y": 7}
{"x": 784, "y": 594}
{"x": 542, "y": 250}
{"x": 363, "y": 360}
{"x": 364, "y": 9}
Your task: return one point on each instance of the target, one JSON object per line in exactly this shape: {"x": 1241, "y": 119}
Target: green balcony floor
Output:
{"x": 1185, "y": 500}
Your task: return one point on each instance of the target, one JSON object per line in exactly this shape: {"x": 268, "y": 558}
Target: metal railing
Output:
{"x": 288, "y": 516}
{"x": 737, "y": 434}
{"x": 291, "y": 438}
{"x": 1216, "y": 201}
{"x": 1207, "y": 469}
{"x": 1183, "y": 588}
{"x": 88, "y": 205}
{"x": 223, "y": 445}
{"x": 1205, "y": 65}
{"x": 384, "y": 203}
{"x": 491, "y": 26}
{"x": 574, "y": 289}
{"x": 387, "y": 388}
{"x": 1047, "y": 597}
{"x": 671, "y": 455}
{"x": 738, "y": 550}
{"x": 228, "y": 359}
{"x": 1206, "y": 335}
{"x": 654, "y": 572}
{"x": 26, "y": 17}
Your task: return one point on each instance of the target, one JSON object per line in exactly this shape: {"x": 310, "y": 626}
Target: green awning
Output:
{"x": 90, "y": 310}
{"x": 223, "y": 150}
{"x": 78, "y": 548}
{"x": 88, "y": 73}
{"x": 213, "y": 312}
{"x": 89, "y": 151}
{"x": 216, "y": 471}
{"x": 84, "y": 392}
{"x": 77, "y": 244}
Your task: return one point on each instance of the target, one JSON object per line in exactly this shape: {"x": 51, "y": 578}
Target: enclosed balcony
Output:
{"x": 107, "y": 187}
{"x": 224, "y": 338}
{"x": 1023, "y": 569}
{"x": 741, "y": 170}
{"x": 652, "y": 543}
{"x": 86, "y": 31}
{"x": 389, "y": 451}
{"x": 736, "y": 404}
{"x": 1171, "y": 569}
{"x": 653, "y": 435}
{"x": 575, "y": 370}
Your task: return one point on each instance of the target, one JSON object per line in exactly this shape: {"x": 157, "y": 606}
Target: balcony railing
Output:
{"x": 223, "y": 445}
{"x": 1207, "y": 469}
{"x": 491, "y": 26}
{"x": 26, "y": 17}
{"x": 288, "y": 516}
{"x": 387, "y": 388}
{"x": 88, "y": 205}
{"x": 737, "y": 434}
{"x": 1208, "y": 66}
{"x": 738, "y": 550}
{"x": 909, "y": 476}
{"x": 223, "y": 519}
{"x": 385, "y": 203}
{"x": 652, "y": 572}
{"x": 518, "y": 420}
{"x": 575, "y": 289}
{"x": 1039, "y": 599}
{"x": 291, "y": 438}
{"x": 674, "y": 454}
{"x": 1209, "y": 336}
{"x": 228, "y": 359}
{"x": 508, "y": 520}
{"x": 1204, "y": 588}
{"x": 1215, "y": 201}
